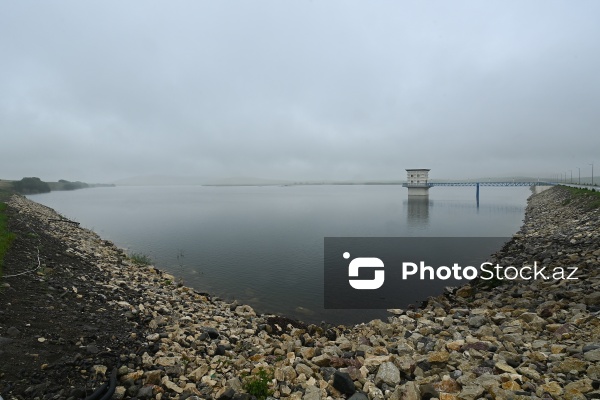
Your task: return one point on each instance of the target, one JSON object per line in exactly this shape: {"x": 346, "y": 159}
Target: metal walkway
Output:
{"x": 477, "y": 185}
{"x": 432, "y": 184}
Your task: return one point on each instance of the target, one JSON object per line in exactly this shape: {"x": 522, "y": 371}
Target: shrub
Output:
{"x": 140, "y": 259}
{"x": 31, "y": 185}
{"x": 258, "y": 385}
{"x": 74, "y": 185}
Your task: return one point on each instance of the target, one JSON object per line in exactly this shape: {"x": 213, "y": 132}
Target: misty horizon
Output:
{"x": 202, "y": 180}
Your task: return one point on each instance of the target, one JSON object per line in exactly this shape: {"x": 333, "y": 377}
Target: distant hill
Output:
{"x": 166, "y": 180}
{"x": 247, "y": 181}
{"x": 34, "y": 185}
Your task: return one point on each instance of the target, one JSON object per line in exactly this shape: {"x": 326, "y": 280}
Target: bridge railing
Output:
{"x": 432, "y": 184}
{"x": 418, "y": 185}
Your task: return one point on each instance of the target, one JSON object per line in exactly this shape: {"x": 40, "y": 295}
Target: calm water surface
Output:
{"x": 263, "y": 245}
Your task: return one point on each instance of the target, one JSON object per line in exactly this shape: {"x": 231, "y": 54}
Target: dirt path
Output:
{"x": 57, "y": 336}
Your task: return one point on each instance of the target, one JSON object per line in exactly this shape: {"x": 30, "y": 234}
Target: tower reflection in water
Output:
{"x": 418, "y": 210}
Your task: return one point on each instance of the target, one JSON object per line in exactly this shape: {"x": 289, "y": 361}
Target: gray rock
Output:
{"x": 323, "y": 360}
{"x": 456, "y": 374}
{"x": 153, "y": 337}
{"x": 387, "y": 373}
{"x": 13, "y": 332}
{"x": 409, "y": 391}
{"x": 119, "y": 393}
{"x": 477, "y": 321}
{"x": 304, "y": 369}
{"x": 427, "y": 391}
{"x": 312, "y": 393}
{"x": 592, "y": 299}
{"x": 590, "y": 347}
{"x": 227, "y": 395}
{"x": 470, "y": 392}
{"x": 358, "y": 396}
{"x": 132, "y": 391}
{"x": 592, "y": 355}
{"x": 92, "y": 349}
{"x": 5, "y": 340}
{"x": 327, "y": 373}
{"x": 145, "y": 392}
{"x": 235, "y": 384}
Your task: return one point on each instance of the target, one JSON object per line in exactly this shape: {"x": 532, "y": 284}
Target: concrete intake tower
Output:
{"x": 417, "y": 182}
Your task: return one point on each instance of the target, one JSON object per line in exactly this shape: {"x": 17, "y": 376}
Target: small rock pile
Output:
{"x": 527, "y": 339}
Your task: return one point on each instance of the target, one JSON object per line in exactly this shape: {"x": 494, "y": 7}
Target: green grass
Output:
{"x": 591, "y": 195}
{"x": 140, "y": 259}
{"x": 5, "y": 191}
{"x": 5, "y": 236}
{"x": 258, "y": 385}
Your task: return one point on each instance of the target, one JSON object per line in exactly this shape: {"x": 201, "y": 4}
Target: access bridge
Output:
{"x": 481, "y": 183}
{"x": 424, "y": 186}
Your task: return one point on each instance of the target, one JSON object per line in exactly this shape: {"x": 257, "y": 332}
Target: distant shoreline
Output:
{"x": 34, "y": 185}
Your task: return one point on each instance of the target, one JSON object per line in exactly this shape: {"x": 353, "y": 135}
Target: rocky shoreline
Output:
{"x": 526, "y": 339}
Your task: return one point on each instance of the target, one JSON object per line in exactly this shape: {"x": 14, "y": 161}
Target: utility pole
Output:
{"x": 579, "y": 182}
{"x": 592, "y": 164}
{"x": 571, "y": 176}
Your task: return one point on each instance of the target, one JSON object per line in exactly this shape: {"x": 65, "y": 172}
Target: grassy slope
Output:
{"x": 591, "y": 195}
{"x": 5, "y": 190}
{"x": 5, "y": 235}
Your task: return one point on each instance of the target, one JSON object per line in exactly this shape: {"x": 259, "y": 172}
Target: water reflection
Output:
{"x": 417, "y": 210}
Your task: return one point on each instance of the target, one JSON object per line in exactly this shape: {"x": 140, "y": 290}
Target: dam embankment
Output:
{"x": 74, "y": 307}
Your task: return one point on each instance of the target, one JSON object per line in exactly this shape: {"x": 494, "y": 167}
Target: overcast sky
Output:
{"x": 321, "y": 89}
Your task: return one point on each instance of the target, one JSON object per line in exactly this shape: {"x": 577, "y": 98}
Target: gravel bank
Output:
{"x": 527, "y": 339}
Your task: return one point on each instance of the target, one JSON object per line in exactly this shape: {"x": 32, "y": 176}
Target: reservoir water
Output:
{"x": 263, "y": 245}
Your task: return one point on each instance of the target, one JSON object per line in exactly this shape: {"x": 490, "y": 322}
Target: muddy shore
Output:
{"x": 74, "y": 307}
